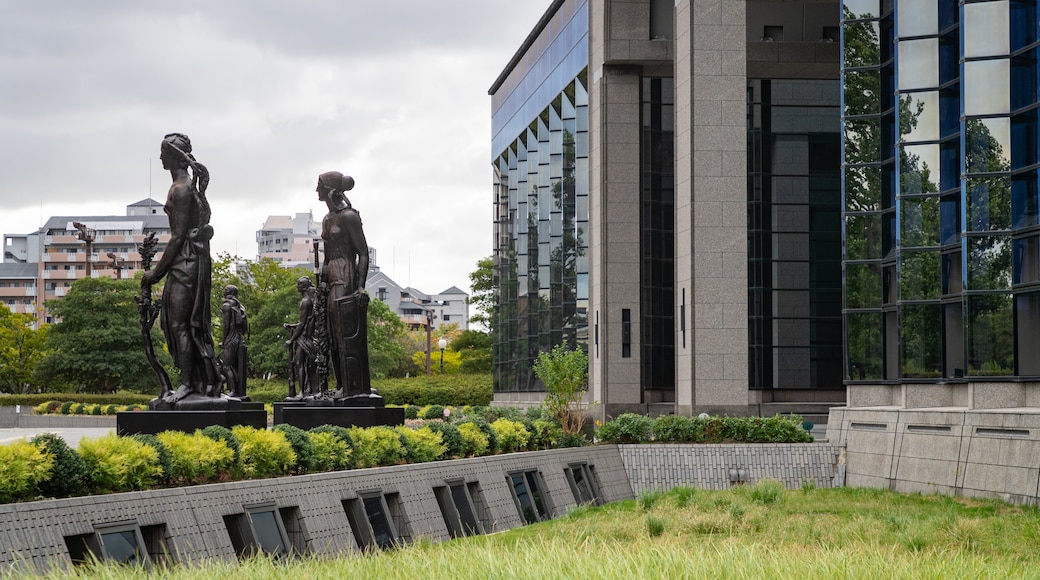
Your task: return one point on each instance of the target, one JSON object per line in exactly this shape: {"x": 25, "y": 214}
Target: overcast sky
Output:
{"x": 272, "y": 93}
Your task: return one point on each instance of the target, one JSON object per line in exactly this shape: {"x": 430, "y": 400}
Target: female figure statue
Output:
{"x": 233, "y": 347}
{"x": 343, "y": 273}
{"x": 303, "y": 369}
{"x": 186, "y": 265}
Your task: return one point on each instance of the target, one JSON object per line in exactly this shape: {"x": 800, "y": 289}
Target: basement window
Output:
{"x": 259, "y": 529}
{"x": 529, "y": 495}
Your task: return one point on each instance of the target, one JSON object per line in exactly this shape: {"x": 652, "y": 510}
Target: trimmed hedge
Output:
{"x": 633, "y": 428}
{"x": 446, "y": 390}
{"x": 120, "y": 398}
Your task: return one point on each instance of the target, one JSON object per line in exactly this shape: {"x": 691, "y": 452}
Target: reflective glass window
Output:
{"x": 1023, "y": 24}
{"x": 949, "y": 164}
{"x": 951, "y": 273}
{"x": 949, "y": 219}
{"x": 918, "y": 64}
{"x": 862, "y": 47}
{"x": 987, "y": 87}
{"x": 989, "y": 203}
{"x": 1027, "y": 315}
{"x": 860, "y": 9}
{"x": 953, "y": 335}
{"x": 987, "y": 145}
{"x": 919, "y": 170}
{"x": 1027, "y": 260}
{"x": 917, "y": 17}
{"x": 1024, "y": 79}
{"x": 1024, "y": 139}
{"x": 862, "y": 92}
{"x": 862, "y": 188}
{"x": 1024, "y": 206}
{"x": 989, "y": 263}
{"x": 919, "y": 276}
{"x": 986, "y": 29}
{"x": 862, "y": 140}
{"x": 921, "y": 340}
{"x": 949, "y": 57}
{"x": 862, "y": 285}
{"x": 863, "y": 345}
{"x": 919, "y": 116}
{"x": 919, "y": 222}
{"x": 863, "y": 237}
{"x": 990, "y": 330}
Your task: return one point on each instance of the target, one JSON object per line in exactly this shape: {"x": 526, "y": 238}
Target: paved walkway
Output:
{"x": 71, "y": 435}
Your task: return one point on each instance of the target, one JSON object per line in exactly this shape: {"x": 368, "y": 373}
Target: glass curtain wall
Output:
{"x": 794, "y": 240}
{"x": 541, "y": 224}
{"x": 940, "y": 189}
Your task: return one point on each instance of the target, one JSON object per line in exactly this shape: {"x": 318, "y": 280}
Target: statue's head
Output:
{"x": 333, "y": 182}
{"x": 303, "y": 283}
{"x": 230, "y": 291}
{"x": 175, "y": 147}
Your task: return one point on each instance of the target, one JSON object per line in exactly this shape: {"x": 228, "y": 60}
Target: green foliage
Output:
{"x": 196, "y": 458}
{"x": 777, "y": 429}
{"x": 654, "y": 526}
{"x": 120, "y": 463}
{"x": 767, "y": 491}
{"x": 474, "y": 442}
{"x": 474, "y": 348}
{"x": 375, "y": 446}
{"x": 626, "y": 428}
{"x": 678, "y": 428}
{"x": 648, "y": 499}
{"x": 66, "y": 407}
{"x": 97, "y": 346}
{"x": 411, "y": 411}
{"x": 485, "y": 428}
{"x": 23, "y": 466}
{"x": 512, "y": 435}
{"x": 433, "y": 412}
{"x": 423, "y": 444}
{"x": 453, "y": 390}
{"x": 68, "y": 476}
{"x": 301, "y": 445}
{"x": 573, "y": 440}
{"x": 483, "y": 299}
{"x": 342, "y": 432}
{"x": 450, "y": 435}
{"x": 330, "y": 452}
{"x": 21, "y": 348}
{"x": 545, "y": 434}
{"x": 165, "y": 459}
{"x": 263, "y": 453}
{"x": 566, "y": 377}
{"x": 384, "y": 349}
{"x": 225, "y": 435}
{"x": 118, "y": 398}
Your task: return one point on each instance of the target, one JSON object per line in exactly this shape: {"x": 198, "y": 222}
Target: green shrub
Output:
{"x": 545, "y": 434}
{"x": 221, "y": 433}
{"x": 79, "y": 408}
{"x": 95, "y": 410}
{"x": 301, "y": 445}
{"x": 535, "y": 413}
{"x": 66, "y": 407}
{"x": 626, "y": 428}
{"x": 424, "y": 445}
{"x": 165, "y": 460}
{"x": 120, "y": 463}
{"x": 375, "y": 446}
{"x": 342, "y": 432}
{"x": 263, "y": 453}
{"x": 654, "y": 526}
{"x": 648, "y": 499}
{"x": 331, "y": 453}
{"x": 678, "y": 429}
{"x": 23, "y": 466}
{"x": 433, "y": 412}
{"x": 196, "y": 458}
{"x": 411, "y": 412}
{"x": 454, "y": 390}
{"x": 473, "y": 441}
{"x": 572, "y": 440}
{"x": 767, "y": 491}
{"x": 42, "y": 408}
{"x": 449, "y": 435}
{"x": 512, "y": 435}
{"x": 486, "y": 429}
{"x": 53, "y": 406}
{"x": 68, "y": 477}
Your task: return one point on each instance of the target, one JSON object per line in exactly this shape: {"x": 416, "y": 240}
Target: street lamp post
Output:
{"x": 429, "y": 329}
{"x": 442, "y": 343}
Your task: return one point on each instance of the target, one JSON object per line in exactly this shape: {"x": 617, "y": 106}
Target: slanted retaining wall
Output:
{"x": 190, "y": 524}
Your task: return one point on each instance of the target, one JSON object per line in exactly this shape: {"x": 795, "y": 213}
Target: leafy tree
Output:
{"x": 475, "y": 350}
{"x": 97, "y": 345}
{"x": 21, "y": 348}
{"x": 482, "y": 283}
{"x": 385, "y": 351}
{"x": 566, "y": 377}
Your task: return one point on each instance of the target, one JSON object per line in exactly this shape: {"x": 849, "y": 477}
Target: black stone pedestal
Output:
{"x": 307, "y": 416}
{"x": 152, "y": 422}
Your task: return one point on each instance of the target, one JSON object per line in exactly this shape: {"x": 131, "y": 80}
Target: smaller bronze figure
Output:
{"x": 303, "y": 361}
{"x": 233, "y": 355}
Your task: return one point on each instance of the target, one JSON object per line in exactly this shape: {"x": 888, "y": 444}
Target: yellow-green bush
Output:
{"x": 263, "y": 453}
{"x": 196, "y": 458}
{"x": 423, "y": 444}
{"x": 330, "y": 452}
{"x": 22, "y": 467}
{"x": 120, "y": 463}
{"x": 511, "y": 435}
{"x": 375, "y": 446}
{"x": 474, "y": 442}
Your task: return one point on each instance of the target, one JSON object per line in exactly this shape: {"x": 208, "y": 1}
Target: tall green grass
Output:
{"x": 816, "y": 533}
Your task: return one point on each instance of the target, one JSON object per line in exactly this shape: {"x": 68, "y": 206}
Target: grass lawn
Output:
{"x": 761, "y": 531}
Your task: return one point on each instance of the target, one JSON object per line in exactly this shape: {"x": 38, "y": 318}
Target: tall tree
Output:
{"x": 21, "y": 348}
{"x": 97, "y": 345}
{"x": 482, "y": 283}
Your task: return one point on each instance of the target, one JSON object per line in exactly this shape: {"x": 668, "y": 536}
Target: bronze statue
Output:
{"x": 303, "y": 350}
{"x": 233, "y": 356}
{"x": 343, "y": 275}
{"x": 186, "y": 265}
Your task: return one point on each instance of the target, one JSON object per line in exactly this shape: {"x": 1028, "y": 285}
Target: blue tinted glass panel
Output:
{"x": 1024, "y": 203}
{"x": 863, "y": 237}
{"x": 864, "y": 346}
{"x": 921, "y": 340}
{"x": 918, "y": 64}
{"x": 862, "y": 285}
{"x": 989, "y": 263}
{"x": 268, "y": 536}
{"x": 987, "y": 87}
{"x": 919, "y": 170}
{"x": 1023, "y": 24}
{"x": 1024, "y": 79}
{"x": 919, "y": 116}
{"x": 919, "y": 276}
{"x": 121, "y": 546}
{"x": 949, "y": 57}
{"x": 949, "y": 164}
{"x": 917, "y": 17}
{"x": 988, "y": 145}
{"x": 985, "y": 29}
{"x": 951, "y": 273}
{"x": 990, "y": 335}
{"x": 1024, "y": 139}
{"x": 949, "y": 219}
{"x": 861, "y": 47}
{"x": 863, "y": 188}
{"x": 919, "y": 222}
{"x": 989, "y": 203}
{"x": 1027, "y": 260}
{"x": 1027, "y": 314}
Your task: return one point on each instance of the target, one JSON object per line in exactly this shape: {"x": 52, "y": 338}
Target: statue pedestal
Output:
{"x": 152, "y": 422}
{"x": 346, "y": 412}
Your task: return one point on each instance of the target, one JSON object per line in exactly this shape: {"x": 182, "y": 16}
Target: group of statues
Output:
{"x": 333, "y": 312}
